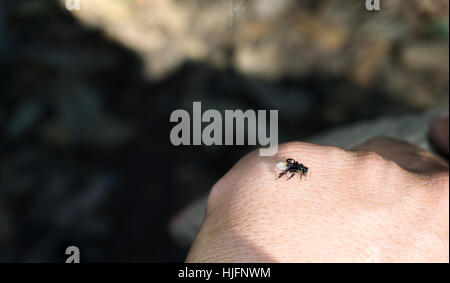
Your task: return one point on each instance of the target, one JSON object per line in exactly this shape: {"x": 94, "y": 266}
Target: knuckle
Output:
{"x": 374, "y": 162}
{"x": 373, "y": 158}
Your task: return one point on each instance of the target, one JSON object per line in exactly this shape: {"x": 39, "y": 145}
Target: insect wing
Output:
{"x": 282, "y": 165}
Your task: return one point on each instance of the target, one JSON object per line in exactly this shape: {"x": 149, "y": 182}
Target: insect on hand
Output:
{"x": 292, "y": 166}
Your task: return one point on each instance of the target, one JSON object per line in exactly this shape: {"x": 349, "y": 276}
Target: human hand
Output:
{"x": 383, "y": 201}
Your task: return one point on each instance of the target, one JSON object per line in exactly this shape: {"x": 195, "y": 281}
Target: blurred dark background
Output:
{"x": 86, "y": 96}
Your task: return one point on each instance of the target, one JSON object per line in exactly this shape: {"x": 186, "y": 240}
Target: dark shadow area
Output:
{"x": 85, "y": 155}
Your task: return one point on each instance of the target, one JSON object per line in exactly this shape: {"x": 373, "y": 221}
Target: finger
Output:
{"x": 408, "y": 156}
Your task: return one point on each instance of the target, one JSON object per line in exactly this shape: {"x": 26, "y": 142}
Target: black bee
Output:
{"x": 292, "y": 166}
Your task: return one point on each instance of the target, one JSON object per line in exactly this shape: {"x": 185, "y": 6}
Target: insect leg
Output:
{"x": 282, "y": 174}
{"x": 293, "y": 174}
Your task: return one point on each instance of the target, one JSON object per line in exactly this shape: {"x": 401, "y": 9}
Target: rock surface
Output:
{"x": 287, "y": 38}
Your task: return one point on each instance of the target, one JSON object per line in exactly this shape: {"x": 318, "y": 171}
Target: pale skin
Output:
{"x": 383, "y": 201}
